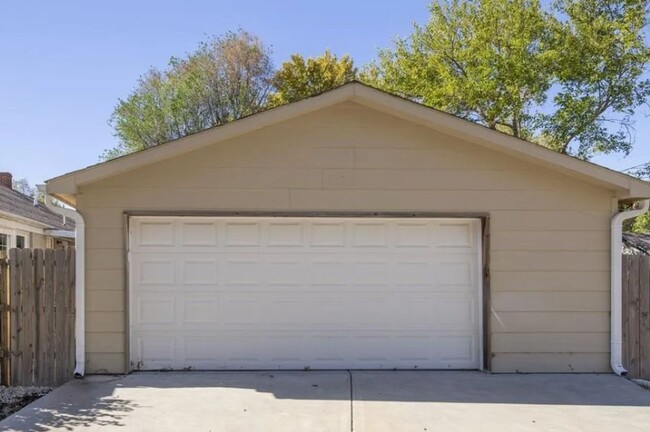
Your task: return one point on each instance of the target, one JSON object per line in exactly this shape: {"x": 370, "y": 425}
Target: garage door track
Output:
{"x": 339, "y": 401}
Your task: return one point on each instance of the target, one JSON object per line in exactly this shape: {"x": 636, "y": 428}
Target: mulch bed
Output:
{"x": 14, "y": 398}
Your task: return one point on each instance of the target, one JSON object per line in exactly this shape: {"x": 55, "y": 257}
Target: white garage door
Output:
{"x": 295, "y": 293}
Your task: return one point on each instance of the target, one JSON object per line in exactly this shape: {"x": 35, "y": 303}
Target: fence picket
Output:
{"x": 47, "y": 321}
{"x": 60, "y": 314}
{"x": 644, "y": 317}
{"x": 16, "y": 313}
{"x": 29, "y": 328}
{"x": 68, "y": 331}
{"x": 5, "y": 342}
{"x": 37, "y": 257}
{"x": 633, "y": 310}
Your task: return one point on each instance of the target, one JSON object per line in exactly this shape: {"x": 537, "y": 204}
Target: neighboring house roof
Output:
{"x": 636, "y": 243}
{"x": 626, "y": 187}
{"x": 21, "y": 206}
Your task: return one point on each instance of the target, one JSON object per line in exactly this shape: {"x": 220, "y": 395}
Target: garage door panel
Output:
{"x": 152, "y": 271}
{"x": 200, "y": 234}
{"x": 199, "y": 272}
{"x": 293, "y": 293}
{"x": 206, "y": 351}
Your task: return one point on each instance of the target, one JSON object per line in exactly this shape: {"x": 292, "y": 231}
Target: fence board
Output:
{"x": 626, "y": 317}
{"x": 29, "y": 328}
{"x": 35, "y": 327}
{"x": 68, "y": 330}
{"x": 644, "y": 316}
{"x": 5, "y": 342}
{"x": 16, "y": 314}
{"x": 46, "y": 347}
{"x": 37, "y": 257}
{"x": 633, "y": 311}
{"x": 59, "y": 311}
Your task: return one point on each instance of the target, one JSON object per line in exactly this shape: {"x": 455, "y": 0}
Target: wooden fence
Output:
{"x": 636, "y": 315}
{"x": 37, "y": 316}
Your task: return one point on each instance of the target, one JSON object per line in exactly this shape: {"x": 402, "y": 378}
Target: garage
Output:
{"x": 354, "y": 229}
{"x": 299, "y": 292}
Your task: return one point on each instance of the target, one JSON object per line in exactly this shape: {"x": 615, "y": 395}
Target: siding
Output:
{"x": 549, "y": 232}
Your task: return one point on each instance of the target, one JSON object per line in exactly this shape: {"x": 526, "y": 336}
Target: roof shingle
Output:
{"x": 17, "y": 204}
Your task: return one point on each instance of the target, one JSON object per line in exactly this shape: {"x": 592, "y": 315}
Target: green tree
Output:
{"x": 569, "y": 78}
{"x": 484, "y": 60}
{"x": 224, "y": 79}
{"x": 299, "y": 78}
{"x": 599, "y": 72}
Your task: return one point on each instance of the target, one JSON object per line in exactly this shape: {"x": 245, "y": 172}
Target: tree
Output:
{"x": 224, "y": 79}
{"x": 561, "y": 79}
{"x": 299, "y": 78}
{"x": 485, "y": 61}
{"x": 22, "y": 185}
{"x": 599, "y": 72}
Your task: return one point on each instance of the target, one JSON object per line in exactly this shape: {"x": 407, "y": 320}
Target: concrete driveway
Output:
{"x": 339, "y": 401}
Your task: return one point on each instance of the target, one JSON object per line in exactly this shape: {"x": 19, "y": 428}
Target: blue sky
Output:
{"x": 65, "y": 64}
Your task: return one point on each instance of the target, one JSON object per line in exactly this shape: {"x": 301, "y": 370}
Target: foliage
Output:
{"x": 484, "y": 61}
{"x": 299, "y": 78}
{"x": 560, "y": 79}
{"x": 599, "y": 71}
{"x": 640, "y": 224}
{"x": 22, "y": 185}
{"x": 224, "y": 79}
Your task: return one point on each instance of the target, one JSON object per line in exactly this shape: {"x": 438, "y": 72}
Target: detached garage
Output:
{"x": 351, "y": 230}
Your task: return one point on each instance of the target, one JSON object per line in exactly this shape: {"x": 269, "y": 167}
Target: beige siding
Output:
{"x": 549, "y": 232}
{"x": 38, "y": 241}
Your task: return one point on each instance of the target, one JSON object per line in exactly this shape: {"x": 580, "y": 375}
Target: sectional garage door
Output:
{"x": 309, "y": 292}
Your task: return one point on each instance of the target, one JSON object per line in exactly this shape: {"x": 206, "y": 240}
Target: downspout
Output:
{"x": 616, "y": 314}
{"x": 80, "y": 280}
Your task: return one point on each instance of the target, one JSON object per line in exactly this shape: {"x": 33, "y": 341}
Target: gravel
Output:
{"x": 14, "y": 398}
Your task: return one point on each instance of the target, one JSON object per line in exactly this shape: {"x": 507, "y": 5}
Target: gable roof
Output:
{"x": 14, "y": 203}
{"x": 627, "y": 187}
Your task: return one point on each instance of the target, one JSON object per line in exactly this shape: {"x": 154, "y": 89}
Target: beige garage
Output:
{"x": 265, "y": 244}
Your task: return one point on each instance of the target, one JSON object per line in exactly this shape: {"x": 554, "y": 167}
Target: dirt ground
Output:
{"x": 14, "y": 398}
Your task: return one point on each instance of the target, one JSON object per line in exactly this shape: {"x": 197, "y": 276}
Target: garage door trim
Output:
{"x": 483, "y": 257}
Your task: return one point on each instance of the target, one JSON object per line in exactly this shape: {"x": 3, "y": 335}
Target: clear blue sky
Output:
{"x": 65, "y": 63}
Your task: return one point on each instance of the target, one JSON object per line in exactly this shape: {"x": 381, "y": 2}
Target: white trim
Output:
{"x": 9, "y": 222}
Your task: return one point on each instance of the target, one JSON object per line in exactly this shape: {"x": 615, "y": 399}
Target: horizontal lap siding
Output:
{"x": 549, "y": 232}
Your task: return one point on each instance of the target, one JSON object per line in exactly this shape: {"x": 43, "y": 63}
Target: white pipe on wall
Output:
{"x": 80, "y": 280}
{"x": 616, "y": 305}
